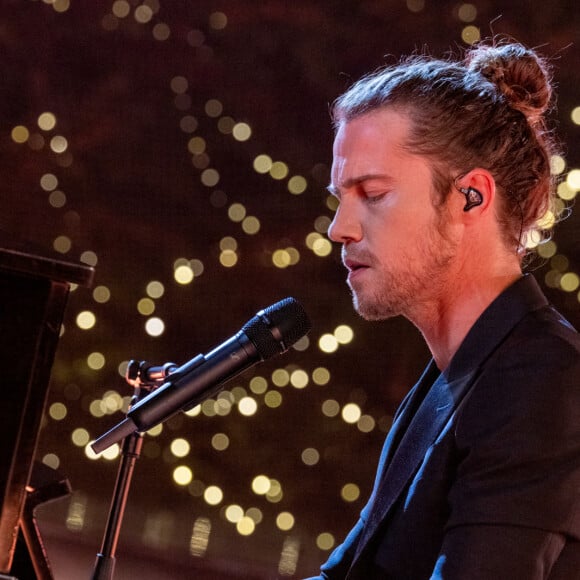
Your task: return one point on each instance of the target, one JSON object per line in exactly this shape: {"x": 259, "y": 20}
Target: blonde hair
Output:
{"x": 488, "y": 110}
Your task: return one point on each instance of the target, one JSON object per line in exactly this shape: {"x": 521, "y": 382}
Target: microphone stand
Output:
{"x": 130, "y": 451}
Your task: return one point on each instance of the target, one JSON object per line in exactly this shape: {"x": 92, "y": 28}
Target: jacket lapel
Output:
{"x": 423, "y": 429}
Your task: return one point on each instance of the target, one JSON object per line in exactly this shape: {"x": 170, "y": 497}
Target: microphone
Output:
{"x": 272, "y": 331}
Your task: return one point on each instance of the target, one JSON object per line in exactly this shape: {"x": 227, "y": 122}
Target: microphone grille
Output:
{"x": 277, "y": 327}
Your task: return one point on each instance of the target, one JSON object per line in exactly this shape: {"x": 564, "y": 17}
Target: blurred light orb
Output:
{"x": 155, "y": 326}
{"x": 213, "y": 495}
{"x": 182, "y": 475}
{"x": 86, "y": 320}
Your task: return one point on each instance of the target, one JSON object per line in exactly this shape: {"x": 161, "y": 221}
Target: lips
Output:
{"x": 355, "y": 269}
{"x": 353, "y": 265}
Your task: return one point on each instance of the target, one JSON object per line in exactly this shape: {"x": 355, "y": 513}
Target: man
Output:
{"x": 442, "y": 172}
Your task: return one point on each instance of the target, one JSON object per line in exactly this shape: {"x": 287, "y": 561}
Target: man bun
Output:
{"x": 520, "y": 74}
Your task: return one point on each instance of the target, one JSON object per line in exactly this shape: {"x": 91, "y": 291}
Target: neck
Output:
{"x": 448, "y": 318}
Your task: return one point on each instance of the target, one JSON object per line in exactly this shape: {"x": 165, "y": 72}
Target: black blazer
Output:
{"x": 479, "y": 478}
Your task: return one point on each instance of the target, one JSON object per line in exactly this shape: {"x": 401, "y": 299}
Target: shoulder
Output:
{"x": 530, "y": 382}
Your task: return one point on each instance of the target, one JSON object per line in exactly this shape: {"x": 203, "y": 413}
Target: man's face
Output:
{"x": 395, "y": 244}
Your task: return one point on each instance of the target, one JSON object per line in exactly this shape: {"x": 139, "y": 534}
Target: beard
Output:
{"x": 401, "y": 286}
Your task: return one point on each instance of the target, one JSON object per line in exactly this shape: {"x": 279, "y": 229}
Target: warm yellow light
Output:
{"x": 180, "y": 447}
{"x": 299, "y": 379}
{"x": 234, "y": 513}
{"x": 20, "y": 134}
{"x": 261, "y": 485}
{"x": 121, "y": 8}
{"x": 197, "y": 267}
{"x": 155, "y": 326}
{"x": 57, "y": 411}
{"x": 350, "y": 492}
{"x": 213, "y": 495}
{"x": 182, "y": 475}
{"x": 575, "y": 115}
{"x": 366, "y": 424}
{"x": 343, "y": 334}
{"x": 280, "y": 377}
{"x": 351, "y": 413}
{"x": 248, "y": 406}
{"x": 557, "y": 164}
{"x": 89, "y": 257}
{"x": 297, "y": 184}
{"x": 471, "y": 34}
{"x": 328, "y": 343}
{"x": 569, "y": 282}
{"x": 96, "y": 361}
{"x": 196, "y": 145}
{"x": 241, "y": 131}
{"x": 310, "y": 456}
{"x": 210, "y": 177}
{"x": 322, "y": 247}
{"x": 281, "y": 259}
{"x": 251, "y": 225}
{"x": 58, "y": 144}
{"x": 51, "y": 460}
{"x": 236, "y": 212}
{"x": 279, "y": 170}
{"x": 566, "y": 192}
{"x": 48, "y": 182}
{"x": 47, "y": 121}
{"x": 80, "y": 437}
{"x": 573, "y": 179}
{"x": 548, "y": 249}
{"x": 330, "y": 408}
{"x": 262, "y": 163}
{"x": 274, "y": 494}
{"x": 311, "y": 238}
{"x": 57, "y": 199}
{"x": 183, "y": 274}
{"x": 255, "y": 514}
{"x": 273, "y": 399}
{"x": 101, "y": 294}
{"x": 146, "y": 306}
{"x": 228, "y": 258}
{"x": 143, "y": 14}
{"x": 62, "y": 244}
{"x": 245, "y": 526}
{"x": 86, "y": 320}
{"x": 325, "y": 541}
{"x": 155, "y": 431}
{"x": 258, "y": 385}
{"x": 110, "y": 454}
{"x": 220, "y": 441}
{"x": 285, "y": 521}
{"x": 320, "y": 376}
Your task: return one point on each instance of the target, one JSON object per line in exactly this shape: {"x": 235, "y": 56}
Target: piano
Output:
{"x": 34, "y": 289}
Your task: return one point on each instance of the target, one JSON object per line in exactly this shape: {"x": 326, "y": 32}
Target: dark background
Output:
{"x": 136, "y": 200}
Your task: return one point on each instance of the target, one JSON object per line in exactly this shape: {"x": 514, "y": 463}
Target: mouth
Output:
{"x": 354, "y": 267}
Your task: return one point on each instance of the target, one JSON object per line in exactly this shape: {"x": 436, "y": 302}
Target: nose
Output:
{"x": 345, "y": 226}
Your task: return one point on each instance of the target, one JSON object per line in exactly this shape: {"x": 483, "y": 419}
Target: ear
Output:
{"x": 478, "y": 189}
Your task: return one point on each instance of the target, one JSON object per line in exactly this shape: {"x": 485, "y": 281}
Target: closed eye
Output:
{"x": 375, "y": 197}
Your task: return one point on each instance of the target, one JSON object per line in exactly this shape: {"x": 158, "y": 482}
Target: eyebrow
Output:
{"x": 352, "y": 181}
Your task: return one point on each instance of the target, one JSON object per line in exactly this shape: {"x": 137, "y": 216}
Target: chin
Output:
{"x": 372, "y": 310}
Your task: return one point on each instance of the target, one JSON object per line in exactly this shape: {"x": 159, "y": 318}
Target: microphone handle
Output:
{"x": 194, "y": 382}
